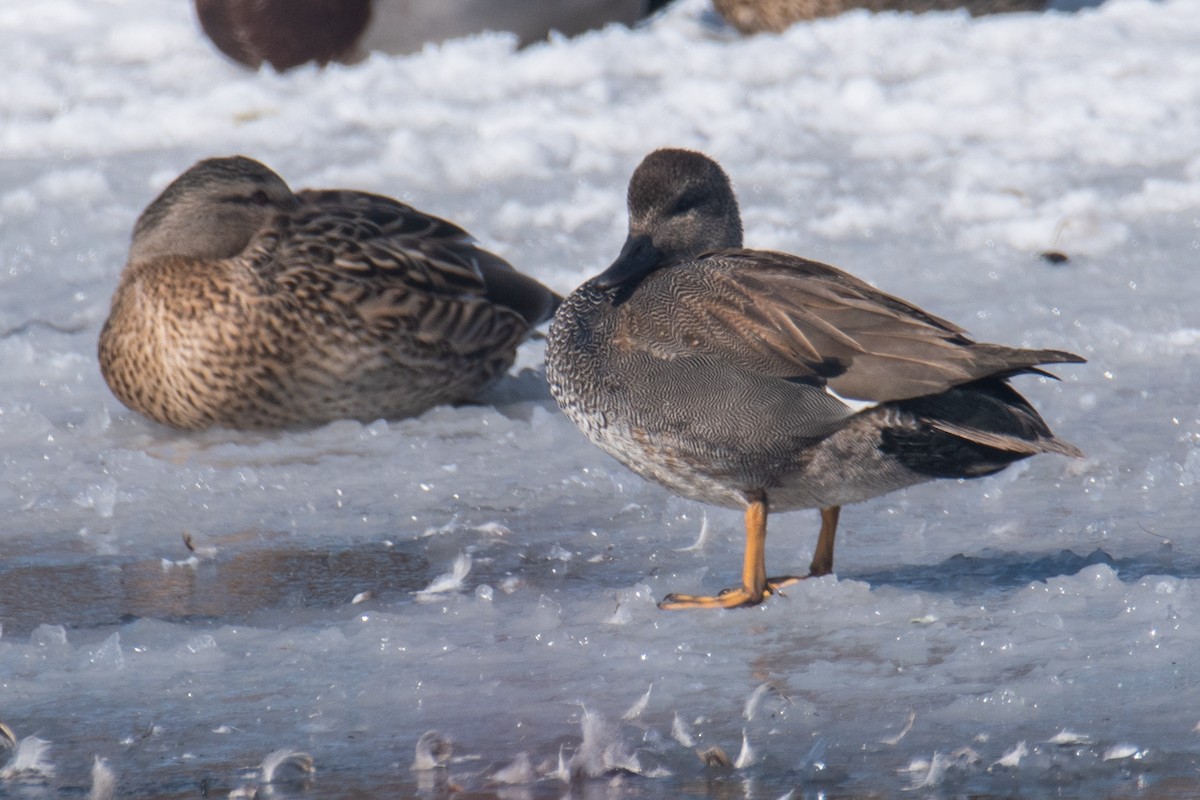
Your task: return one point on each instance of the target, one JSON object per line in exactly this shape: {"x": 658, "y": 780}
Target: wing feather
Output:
{"x": 376, "y": 238}
{"x": 792, "y": 318}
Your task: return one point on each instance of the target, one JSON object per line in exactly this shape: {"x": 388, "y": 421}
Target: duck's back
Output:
{"x": 712, "y": 376}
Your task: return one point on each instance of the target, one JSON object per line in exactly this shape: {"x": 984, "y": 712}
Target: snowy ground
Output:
{"x": 1032, "y": 634}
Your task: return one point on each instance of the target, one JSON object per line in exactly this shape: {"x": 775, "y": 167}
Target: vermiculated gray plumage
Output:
{"x": 720, "y": 372}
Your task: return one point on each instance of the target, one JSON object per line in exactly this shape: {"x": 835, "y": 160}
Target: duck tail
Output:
{"x": 972, "y": 430}
{"x": 1005, "y": 362}
{"x": 1008, "y": 442}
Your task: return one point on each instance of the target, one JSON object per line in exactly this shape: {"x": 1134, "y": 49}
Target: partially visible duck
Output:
{"x": 758, "y": 16}
{"x": 288, "y": 33}
{"x": 763, "y": 381}
{"x": 246, "y": 305}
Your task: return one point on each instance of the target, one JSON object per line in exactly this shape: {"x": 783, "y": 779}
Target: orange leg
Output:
{"x": 756, "y": 586}
{"x": 822, "y": 563}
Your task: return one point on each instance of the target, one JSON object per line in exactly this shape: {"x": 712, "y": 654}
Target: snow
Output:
{"x": 482, "y": 571}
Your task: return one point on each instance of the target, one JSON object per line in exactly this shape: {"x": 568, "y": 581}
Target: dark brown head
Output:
{"x": 681, "y": 204}
{"x": 212, "y": 210}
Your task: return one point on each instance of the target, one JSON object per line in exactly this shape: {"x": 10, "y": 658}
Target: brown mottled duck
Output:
{"x": 246, "y": 305}
{"x": 759, "y": 16}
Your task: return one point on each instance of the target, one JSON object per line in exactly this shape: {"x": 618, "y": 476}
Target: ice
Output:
{"x": 1012, "y": 759}
{"x": 286, "y": 765}
{"x": 175, "y": 607}
{"x": 519, "y": 772}
{"x": 30, "y": 763}
{"x": 104, "y": 781}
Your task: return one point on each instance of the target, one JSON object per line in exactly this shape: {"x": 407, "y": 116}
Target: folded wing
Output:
{"x": 796, "y": 319}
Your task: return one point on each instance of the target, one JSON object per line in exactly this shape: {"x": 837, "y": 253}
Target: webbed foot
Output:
{"x": 735, "y": 597}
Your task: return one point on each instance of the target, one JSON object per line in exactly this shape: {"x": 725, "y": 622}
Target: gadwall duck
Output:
{"x": 758, "y": 16}
{"x": 246, "y": 305}
{"x": 763, "y": 381}
{"x": 289, "y": 33}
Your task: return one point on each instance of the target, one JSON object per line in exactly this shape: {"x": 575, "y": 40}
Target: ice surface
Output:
{"x": 1031, "y": 634}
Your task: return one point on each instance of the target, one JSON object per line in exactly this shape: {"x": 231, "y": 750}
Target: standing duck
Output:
{"x": 766, "y": 382}
{"x": 246, "y": 305}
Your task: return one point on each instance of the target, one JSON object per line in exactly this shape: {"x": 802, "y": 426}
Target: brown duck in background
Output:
{"x": 246, "y": 305}
{"x": 758, "y": 16}
{"x": 738, "y": 377}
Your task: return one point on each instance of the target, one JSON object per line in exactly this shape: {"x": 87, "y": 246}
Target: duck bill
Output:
{"x": 639, "y": 257}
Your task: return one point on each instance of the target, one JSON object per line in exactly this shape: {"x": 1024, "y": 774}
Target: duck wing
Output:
{"x": 400, "y": 266}
{"x": 796, "y": 319}
{"x": 368, "y": 234}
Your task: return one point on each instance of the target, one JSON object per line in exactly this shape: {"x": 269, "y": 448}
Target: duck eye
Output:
{"x": 686, "y": 202}
{"x": 260, "y": 198}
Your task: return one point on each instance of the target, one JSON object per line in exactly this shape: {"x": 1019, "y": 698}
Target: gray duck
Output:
{"x": 246, "y": 305}
{"x": 763, "y": 381}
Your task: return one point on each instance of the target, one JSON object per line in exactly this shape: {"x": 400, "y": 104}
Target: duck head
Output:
{"x": 211, "y": 211}
{"x": 681, "y": 204}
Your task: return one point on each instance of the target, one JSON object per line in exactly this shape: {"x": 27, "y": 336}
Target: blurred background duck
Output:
{"x": 758, "y": 16}
{"x": 763, "y": 381}
{"x": 246, "y": 305}
{"x": 288, "y": 33}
